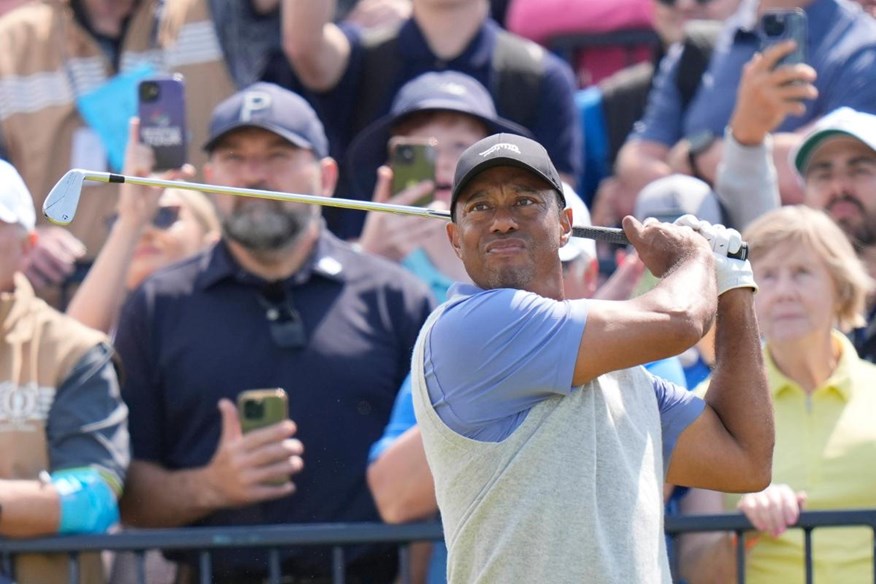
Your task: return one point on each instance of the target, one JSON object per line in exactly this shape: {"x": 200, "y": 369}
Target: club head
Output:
{"x": 60, "y": 206}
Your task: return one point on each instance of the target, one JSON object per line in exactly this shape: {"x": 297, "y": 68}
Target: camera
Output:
{"x": 149, "y": 91}
{"x": 773, "y": 25}
{"x": 405, "y": 153}
{"x": 253, "y": 409}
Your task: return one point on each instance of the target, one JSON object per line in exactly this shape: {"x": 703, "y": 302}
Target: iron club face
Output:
{"x": 60, "y": 206}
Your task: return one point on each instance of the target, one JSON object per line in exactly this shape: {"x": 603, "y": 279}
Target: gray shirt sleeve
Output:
{"x": 678, "y": 410}
{"x": 747, "y": 184}
{"x": 88, "y": 421}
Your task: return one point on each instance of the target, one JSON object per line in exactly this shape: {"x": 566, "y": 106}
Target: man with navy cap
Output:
{"x": 277, "y": 302}
{"x": 451, "y": 111}
{"x": 548, "y": 445}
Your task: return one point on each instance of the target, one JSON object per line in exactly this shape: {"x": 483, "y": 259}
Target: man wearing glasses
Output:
{"x": 277, "y": 302}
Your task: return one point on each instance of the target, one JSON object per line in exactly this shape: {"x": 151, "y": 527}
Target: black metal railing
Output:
{"x": 207, "y": 540}
{"x": 738, "y": 524}
{"x": 274, "y": 538}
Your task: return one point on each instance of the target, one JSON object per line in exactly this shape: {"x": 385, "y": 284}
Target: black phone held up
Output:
{"x": 780, "y": 25}
{"x": 412, "y": 161}
{"x": 161, "y": 107}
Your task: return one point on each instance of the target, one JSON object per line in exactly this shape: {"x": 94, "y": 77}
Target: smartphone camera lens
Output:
{"x": 149, "y": 91}
{"x": 406, "y": 154}
{"x": 773, "y": 26}
{"x": 253, "y": 410}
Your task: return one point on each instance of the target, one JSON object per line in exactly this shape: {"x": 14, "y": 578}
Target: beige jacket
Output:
{"x": 47, "y": 59}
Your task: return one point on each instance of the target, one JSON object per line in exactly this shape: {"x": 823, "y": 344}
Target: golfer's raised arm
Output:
{"x": 661, "y": 323}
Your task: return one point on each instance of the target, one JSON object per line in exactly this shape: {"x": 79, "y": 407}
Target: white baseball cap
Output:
{"x": 672, "y": 196}
{"x": 577, "y": 246}
{"x": 16, "y": 203}
{"x": 840, "y": 122}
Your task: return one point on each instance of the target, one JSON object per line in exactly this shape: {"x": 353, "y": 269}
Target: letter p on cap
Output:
{"x": 254, "y": 102}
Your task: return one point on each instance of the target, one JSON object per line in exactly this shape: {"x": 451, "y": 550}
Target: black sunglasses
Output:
{"x": 284, "y": 321}
{"x": 163, "y": 219}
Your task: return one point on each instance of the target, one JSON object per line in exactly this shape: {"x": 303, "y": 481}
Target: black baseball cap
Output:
{"x": 504, "y": 150}
{"x": 270, "y": 107}
{"x": 449, "y": 91}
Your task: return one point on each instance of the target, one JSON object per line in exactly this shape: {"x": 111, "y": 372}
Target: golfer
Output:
{"x": 548, "y": 442}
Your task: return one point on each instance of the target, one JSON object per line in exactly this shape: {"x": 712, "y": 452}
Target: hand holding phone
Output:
{"x": 412, "y": 161}
{"x": 161, "y": 108}
{"x": 260, "y": 408}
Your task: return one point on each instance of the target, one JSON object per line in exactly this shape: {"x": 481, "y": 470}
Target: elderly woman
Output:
{"x": 824, "y": 395}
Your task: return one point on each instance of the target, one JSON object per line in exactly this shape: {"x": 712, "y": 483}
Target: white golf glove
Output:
{"x": 731, "y": 273}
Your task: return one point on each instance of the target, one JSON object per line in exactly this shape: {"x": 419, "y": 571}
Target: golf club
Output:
{"x": 62, "y": 201}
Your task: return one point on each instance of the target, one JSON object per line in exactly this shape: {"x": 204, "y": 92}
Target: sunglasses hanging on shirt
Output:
{"x": 284, "y": 322}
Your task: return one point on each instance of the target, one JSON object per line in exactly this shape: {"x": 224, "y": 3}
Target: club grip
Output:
{"x": 617, "y": 235}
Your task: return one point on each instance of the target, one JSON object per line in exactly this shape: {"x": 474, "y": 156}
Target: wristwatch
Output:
{"x": 697, "y": 144}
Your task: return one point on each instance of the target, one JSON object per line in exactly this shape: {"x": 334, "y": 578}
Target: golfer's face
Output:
{"x": 508, "y": 230}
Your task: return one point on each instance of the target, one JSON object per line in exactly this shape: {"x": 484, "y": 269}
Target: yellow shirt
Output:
{"x": 825, "y": 446}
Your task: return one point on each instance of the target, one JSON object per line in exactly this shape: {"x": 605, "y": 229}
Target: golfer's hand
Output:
{"x": 662, "y": 245}
{"x": 731, "y": 273}
{"x": 244, "y": 465}
{"x": 773, "y": 509}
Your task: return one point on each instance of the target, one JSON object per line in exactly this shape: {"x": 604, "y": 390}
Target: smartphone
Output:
{"x": 161, "y": 107}
{"x": 412, "y": 161}
{"x": 258, "y": 408}
{"x": 781, "y": 25}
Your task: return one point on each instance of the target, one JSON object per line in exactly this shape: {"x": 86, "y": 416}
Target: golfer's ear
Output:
{"x": 566, "y": 225}
{"x": 453, "y": 236}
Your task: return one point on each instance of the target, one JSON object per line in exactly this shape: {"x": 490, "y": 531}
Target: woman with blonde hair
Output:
{"x": 151, "y": 229}
{"x": 812, "y": 287}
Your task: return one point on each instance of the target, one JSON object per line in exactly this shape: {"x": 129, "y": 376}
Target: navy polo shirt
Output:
{"x": 197, "y": 332}
{"x": 842, "y": 50}
{"x": 554, "y": 124}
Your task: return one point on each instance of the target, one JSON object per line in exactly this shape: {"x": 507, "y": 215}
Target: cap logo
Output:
{"x": 454, "y": 89}
{"x": 253, "y": 103}
{"x": 503, "y": 146}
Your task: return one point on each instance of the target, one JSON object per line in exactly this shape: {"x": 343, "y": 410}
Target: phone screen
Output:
{"x": 412, "y": 161}
{"x": 162, "y": 112}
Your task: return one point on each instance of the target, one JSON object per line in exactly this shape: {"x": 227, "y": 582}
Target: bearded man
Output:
{"x": 277, "y": 302}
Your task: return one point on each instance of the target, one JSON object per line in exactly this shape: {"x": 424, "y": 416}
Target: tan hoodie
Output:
{"x": 40, "y": 347}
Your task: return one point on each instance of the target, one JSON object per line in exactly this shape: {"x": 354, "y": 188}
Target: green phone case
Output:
{"x": 262, "y": 407}
{"x": 412, "y": 163}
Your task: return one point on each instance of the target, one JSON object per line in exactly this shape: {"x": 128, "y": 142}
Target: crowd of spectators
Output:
{"x": 128, "y": 335}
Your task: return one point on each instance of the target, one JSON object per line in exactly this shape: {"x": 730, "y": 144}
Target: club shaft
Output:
{"x": 607, "y": 234}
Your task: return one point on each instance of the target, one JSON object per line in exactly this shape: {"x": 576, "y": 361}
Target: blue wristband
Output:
{"x": 88, "y": 504}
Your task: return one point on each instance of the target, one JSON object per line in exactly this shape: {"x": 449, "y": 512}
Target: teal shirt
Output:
{"x": 418, "y": 263}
